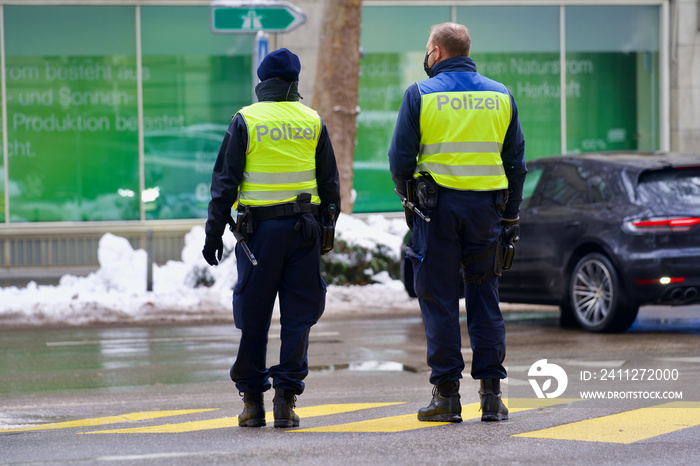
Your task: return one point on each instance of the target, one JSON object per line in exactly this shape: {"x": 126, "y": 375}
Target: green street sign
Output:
{"x": 238, "y": 17}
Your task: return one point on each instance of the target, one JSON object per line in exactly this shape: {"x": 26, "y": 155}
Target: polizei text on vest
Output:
{"x": 467, "y": 102}
{"x": 286, "y": 132}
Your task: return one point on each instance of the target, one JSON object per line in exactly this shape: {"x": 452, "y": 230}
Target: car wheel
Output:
{"x": 597, "y": 299}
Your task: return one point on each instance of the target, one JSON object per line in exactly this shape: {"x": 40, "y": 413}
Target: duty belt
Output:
{"x": 283, "y": 210}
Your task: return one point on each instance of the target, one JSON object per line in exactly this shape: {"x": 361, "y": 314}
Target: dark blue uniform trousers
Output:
{"x": 288, "y": 265}
{"x": 463, "y": 224}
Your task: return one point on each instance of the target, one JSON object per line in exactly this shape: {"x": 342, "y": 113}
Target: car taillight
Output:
{"x": 659, "y": 281}
{"x": 666, "y": 224}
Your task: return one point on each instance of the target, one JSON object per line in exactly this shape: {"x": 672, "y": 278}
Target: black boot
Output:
{"x": 253, "y": 414}
{"x": 492, "y": 408}
{"x": 283, "y": 408}
{"x": 445, "y": 405}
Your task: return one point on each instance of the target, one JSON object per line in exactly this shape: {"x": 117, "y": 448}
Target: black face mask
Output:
{"x": 425, "y": 62}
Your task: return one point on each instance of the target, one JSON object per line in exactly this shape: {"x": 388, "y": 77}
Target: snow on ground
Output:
{"x": 116, "y": 293}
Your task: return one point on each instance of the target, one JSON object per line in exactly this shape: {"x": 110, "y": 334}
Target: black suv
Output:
{"x": 602, "y": 234}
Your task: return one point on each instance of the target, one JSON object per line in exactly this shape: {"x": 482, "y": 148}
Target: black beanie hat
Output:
{"x": 280, "y": 64}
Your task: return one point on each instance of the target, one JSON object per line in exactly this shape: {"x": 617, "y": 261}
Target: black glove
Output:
{"x": 309, "y": 227}
{"x": 213, "y": 249}
{"x": 511, "y": 229}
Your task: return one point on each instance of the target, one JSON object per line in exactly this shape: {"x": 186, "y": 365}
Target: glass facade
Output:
{"x": 72, "y": 110}
{"x": 392, "y": 59}
{"x": 193, "y": 81}
{"x": 526, "y": 60}
{"x": 611, "y": 76}
{"x": 73, "y": 100}
{"x": 70, "y": 74}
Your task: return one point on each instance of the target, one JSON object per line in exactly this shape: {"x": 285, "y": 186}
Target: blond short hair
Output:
{"x": 453, "y": 38}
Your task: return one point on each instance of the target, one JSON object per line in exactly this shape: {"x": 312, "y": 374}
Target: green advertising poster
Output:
{"x": 71, "y": 155}
{"x": 71, "y": 86}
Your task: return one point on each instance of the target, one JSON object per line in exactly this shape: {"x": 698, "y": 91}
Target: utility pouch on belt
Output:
{"x": 426, "y": 191}
{"x": 242, "y": 229}
{"x": 328, "y": 229}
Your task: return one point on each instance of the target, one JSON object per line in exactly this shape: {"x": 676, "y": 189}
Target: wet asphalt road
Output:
{"x": 161, "y": 395}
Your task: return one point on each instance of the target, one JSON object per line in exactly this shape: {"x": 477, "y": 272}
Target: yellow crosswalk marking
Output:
{"x": 312, "y": 411}
{"x": 410, "y": 421}
{"x": 100, "y": 421}
{"x": 627, "y": 427}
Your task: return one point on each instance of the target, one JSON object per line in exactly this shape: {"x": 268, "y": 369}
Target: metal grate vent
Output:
{"x": 78, "y": 251}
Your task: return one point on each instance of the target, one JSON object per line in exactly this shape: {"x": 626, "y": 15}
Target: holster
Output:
{"x": 508, "y": 254}
{"x": 505, "y": 251}
{"x": 426, "y": 191}
{"x": 244, "y": 226}
{"x": 509, "y": 236}
{"x": 328, "y": 229}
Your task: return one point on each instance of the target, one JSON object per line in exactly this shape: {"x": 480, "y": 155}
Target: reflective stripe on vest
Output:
{"x": 462, "y": 135}
{"x": 281, "y": 155}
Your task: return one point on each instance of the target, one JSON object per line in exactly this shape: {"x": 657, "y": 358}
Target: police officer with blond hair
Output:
{"x": 277, "y": 163}
{"x": 459, "y": 144}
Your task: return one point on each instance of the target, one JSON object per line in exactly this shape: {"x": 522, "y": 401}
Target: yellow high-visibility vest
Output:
{"x": 462, "y": 133}
{"x": 281, "y": 156}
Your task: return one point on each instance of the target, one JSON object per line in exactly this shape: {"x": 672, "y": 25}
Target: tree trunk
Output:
{"x": 336, "y": 85}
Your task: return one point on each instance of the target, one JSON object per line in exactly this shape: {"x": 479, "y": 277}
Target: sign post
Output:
{"x": 260, "y": 50}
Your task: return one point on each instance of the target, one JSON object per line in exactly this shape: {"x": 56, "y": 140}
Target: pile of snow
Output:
{"x": 116, "y": 293}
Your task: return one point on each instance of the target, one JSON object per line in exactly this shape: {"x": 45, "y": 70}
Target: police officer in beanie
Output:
{"x": 458, "y": 140}
{"x": 277, "y": 164}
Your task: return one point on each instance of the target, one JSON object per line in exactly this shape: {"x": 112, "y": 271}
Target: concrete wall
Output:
{"x": 685, "y": 75}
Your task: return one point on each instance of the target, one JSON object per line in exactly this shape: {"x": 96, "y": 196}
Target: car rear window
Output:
{"x": 670, "y": 187}
{"x": 571, "y": 185}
